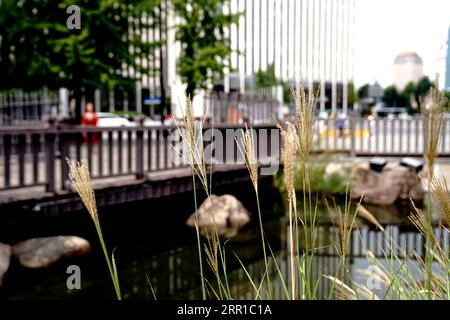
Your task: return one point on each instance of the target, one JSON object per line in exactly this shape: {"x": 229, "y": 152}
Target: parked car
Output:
{"x": 149, "y": 122}
{"x": 391, "y": 113}
{"x": 106, "y": 119}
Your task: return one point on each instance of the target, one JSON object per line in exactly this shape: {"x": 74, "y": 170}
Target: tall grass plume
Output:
{"x": 80, "y": 178}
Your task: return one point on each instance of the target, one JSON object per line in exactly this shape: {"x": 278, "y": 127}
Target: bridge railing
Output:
{"x": 34, "y": 157}
{"x": 379, "y": 136}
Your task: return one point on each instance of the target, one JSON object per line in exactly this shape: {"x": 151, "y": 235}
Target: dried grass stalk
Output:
{"x": 433, "y": 121}
{"x": 81, "y": 181}
{"x": 305, "y": 105}
{"x": 440, "y": 195}
{"x": 344, "y": 291}
{"x": 288, "y": 154}
{"x": 248, "y": 151}
{"x": 363, "y": 212}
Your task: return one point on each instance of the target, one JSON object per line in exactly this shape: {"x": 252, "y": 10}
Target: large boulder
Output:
{"x": 385, "y": 187}
{"x": 43, "y": 252}
{"x": 226, "y": 211}
{"x": 5, "y": 257}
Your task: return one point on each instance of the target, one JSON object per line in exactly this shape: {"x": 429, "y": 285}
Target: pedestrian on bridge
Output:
{"x": 90, "y": 118}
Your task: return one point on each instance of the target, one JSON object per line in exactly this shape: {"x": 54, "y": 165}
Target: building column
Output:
{"x": 64, "y": 101}
{"x": 138, "y": 97}
{"x": 111, "y": 101}
{"x": 97, "y": 101}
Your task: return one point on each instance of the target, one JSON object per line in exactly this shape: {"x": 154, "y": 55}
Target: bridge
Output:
{"x": 137, "y": 163}
{"x": 126, "y": 163}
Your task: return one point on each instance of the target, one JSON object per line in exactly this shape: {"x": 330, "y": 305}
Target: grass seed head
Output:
{"x": 433, "y": 120}
{"x": 249, "y": 153}
{"x": 79, "y": 175}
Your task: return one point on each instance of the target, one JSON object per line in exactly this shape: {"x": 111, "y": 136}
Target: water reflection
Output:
{"x": 167, "y": 262}
{"x": 176, "y": 275}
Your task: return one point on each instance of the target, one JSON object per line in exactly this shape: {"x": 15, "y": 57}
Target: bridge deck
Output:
{"x": 33, "y": 168}
{"x": 110, "y": 191}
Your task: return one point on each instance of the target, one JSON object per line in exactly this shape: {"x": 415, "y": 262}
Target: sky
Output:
{"x": 385, "y": 28}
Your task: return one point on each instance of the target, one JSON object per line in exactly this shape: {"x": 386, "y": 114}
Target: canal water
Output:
{"x": 155, "y": 249}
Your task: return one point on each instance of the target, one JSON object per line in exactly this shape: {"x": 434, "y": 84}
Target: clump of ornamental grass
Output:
{"x": 433, "y": 120}
{"x": 398, "y": 282}
{"x": 305, "y": 106}
{"x": 397, "y": 272}
{"x": 343, "y": 224}
{"x": 288, "y": 154}
{"x": 248, "y": 151}
{"x": 191, "y": 133}
{"x": 297, "y": 143}
{"x": 297, "y": 138}
{"x": 346, "y": 222}
{"x": 419, "y": 220}
{"x": 79, "y": 175}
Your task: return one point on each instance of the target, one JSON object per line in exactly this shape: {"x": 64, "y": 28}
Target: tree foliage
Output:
{"x": 352, "y": 95}
{"x": 266, "y": 78}
{"x": 37, "y": 48}
{"x": 447, "y": 100}
{"x": 413, "y": 92}
{"x": 363, "y": 91}
{"x": 204, "y": 46}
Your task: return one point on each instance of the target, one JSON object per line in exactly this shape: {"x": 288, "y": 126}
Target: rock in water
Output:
{"x": 229, "y": 215}
{"x": 43, "y": 252}
{"x": 5, "y": 257}
{"x": 385, "y": 187}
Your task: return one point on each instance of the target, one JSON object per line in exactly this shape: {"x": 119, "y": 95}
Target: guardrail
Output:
{"x": 379, "y": 136}
{"x": 32, "y": 157}
{"x": 35, "y": 156}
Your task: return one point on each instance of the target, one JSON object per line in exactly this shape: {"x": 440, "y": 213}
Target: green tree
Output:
{"x": 422, "y": 88}
{"x": 204, "y": 47}
{"x": 351, "y": 94}
{"x": 447, "y": 100}
{"x": 406, "y": 96}
{"x": 266, "y": 78}
{"x": 25, "y": 54}
{"x": 410, "y": 89}
{"x": 37, "y": 49}
{"x": 363, "y": 91}
{"x": 390, "y": 96}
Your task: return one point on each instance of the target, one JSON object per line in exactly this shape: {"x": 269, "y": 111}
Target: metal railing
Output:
{"x": 379, "y": 136}
{"x": 36, "y": 156}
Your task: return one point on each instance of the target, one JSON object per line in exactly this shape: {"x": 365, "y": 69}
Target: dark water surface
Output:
{"x": 155, "y": 249}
